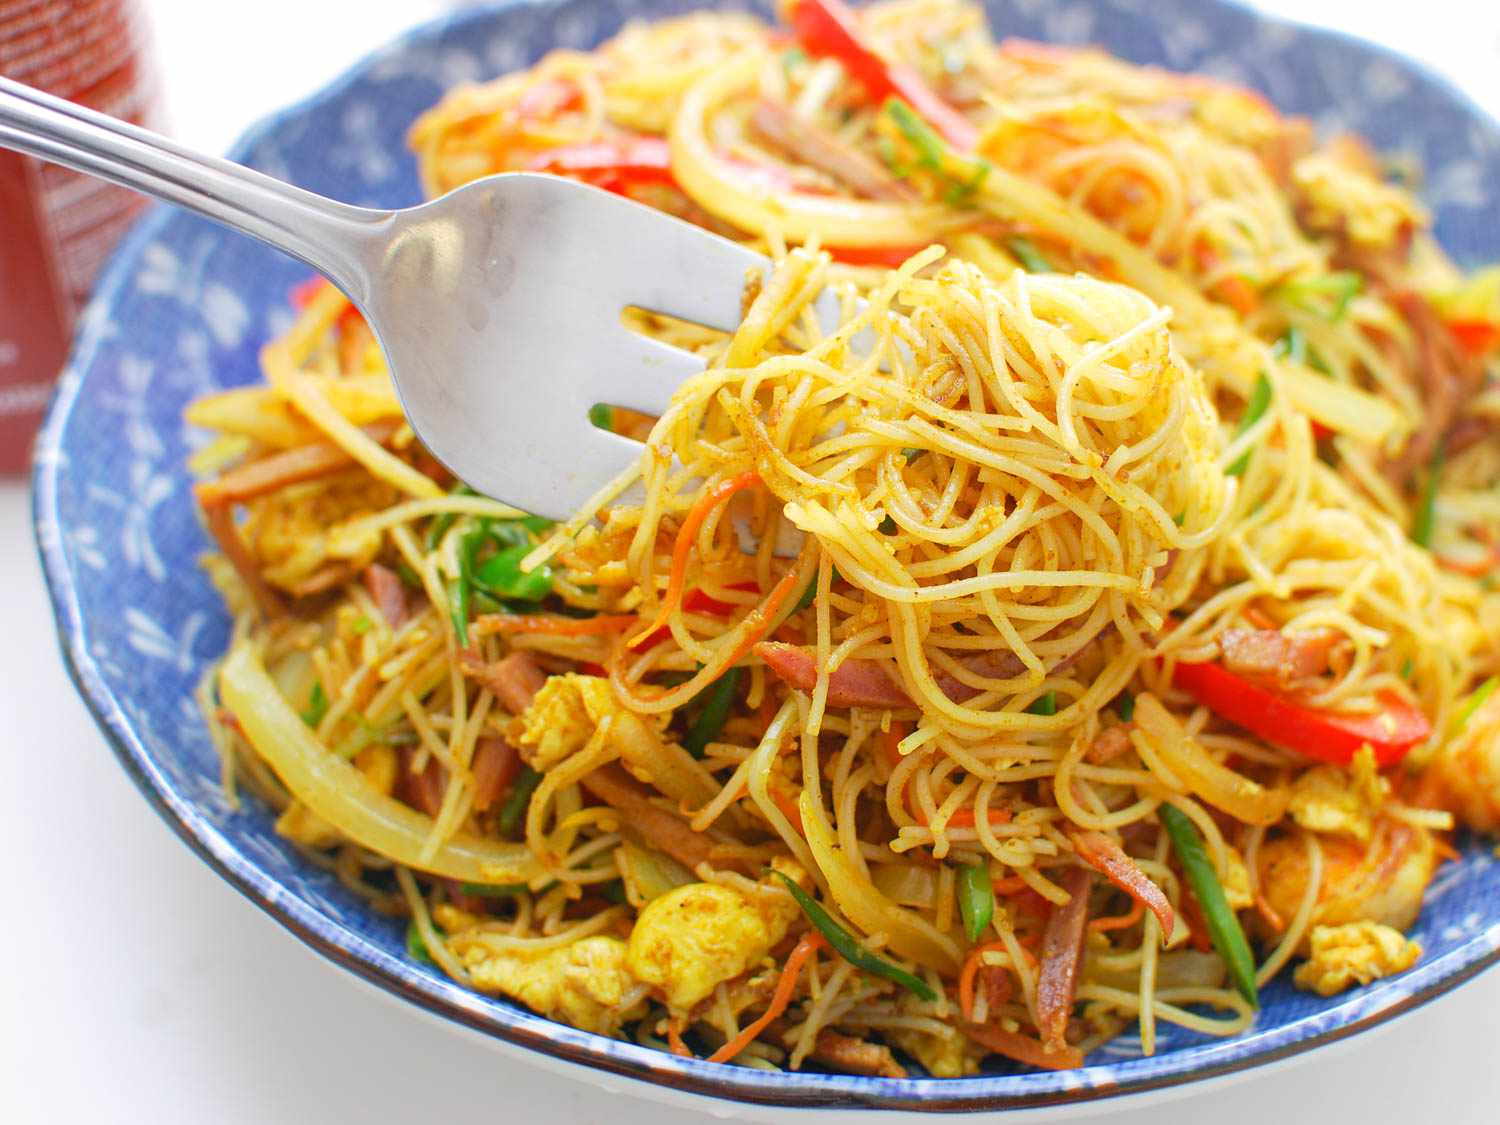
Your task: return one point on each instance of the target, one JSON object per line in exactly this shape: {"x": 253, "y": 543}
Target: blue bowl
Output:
{"x": 185, "y": 305}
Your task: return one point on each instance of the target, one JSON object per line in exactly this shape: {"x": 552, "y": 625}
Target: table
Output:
{"x": 140, "y": 988}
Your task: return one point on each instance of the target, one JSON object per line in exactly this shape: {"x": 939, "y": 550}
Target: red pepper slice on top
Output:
{"x": 1325, "y": 735}
{"x": 614, "y": 163}
{"x": 829, "y": 28}
{"x": 1477, "y": 337}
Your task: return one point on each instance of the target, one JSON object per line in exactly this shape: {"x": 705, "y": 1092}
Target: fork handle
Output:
{"x": 338, "y": 240}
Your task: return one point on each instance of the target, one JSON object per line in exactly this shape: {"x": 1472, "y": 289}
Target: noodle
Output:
{"x": 1098, "y": 541}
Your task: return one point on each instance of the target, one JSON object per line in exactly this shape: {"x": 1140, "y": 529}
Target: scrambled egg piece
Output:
{"x": 585, "y": 984}
{"x": 302, "y": 826}
{"x": 1236, "y": 880}
{"x": 1336, "y": 197}
{"x": 563, "y": 717}
{"x": 1338, "y": 802}
{"x": 1355, "y": 953}
{"x": 695, "y": 937}
{"x": 946, "y": 1054}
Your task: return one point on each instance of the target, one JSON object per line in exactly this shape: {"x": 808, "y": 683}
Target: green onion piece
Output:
{"x": 913, "y": 454}
{"x": 602, "y": 415}
{"x": 1025, "y": 252}
{"x": 1407, "y": 668}
{"x": 1044, "y": 704}
{"x": 409, "y": 577}
{"x": 1475, "y": 702}
{"x": 793, "y": 55}
{"x": 1260, "y": 402}
{"x": 976, "y": 898}
{"x": 458, "y": 609}
{"x": 1326, "y": 294}
{"x": 887, "y": 526}
{"x": 1223, "y": 925}
{"x": 493, "y": 890}
{"x": 928, "y": 144}
{"x": 847, "y": 946}
{"x": 960, "y": 190}
{"x": 416, "y": 948}
{"x": 1293, "y": 345}
{"x": 514, "y": 809}
{"x": 614, "y": 891}
{"x": 361, "y": 625}
{"x": 501, "y": 575}
{"x": 317, "y": 705}
{"x": 1426, "y": 519}
{"x": 443, "y": 522}
{"x": 710, "y": 721}
{"x": 892, "y": 160}
{"x": 1126, "y": 707}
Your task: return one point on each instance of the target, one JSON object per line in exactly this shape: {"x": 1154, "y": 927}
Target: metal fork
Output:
{"x": 498, "y": 305}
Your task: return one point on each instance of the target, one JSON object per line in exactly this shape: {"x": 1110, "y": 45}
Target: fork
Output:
{"x": 498, "y": 305}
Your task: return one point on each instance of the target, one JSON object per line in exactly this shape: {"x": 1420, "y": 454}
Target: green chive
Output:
{"x": 928, "y": 144}
{"x": 602, "y": 415}
{"x": 1223, "y": 925}
{"x": 1260, "y": 402}
{"x": 416, "y": 948}
{"x": 317, "y": 705}
{"x": 887, "y": 526}
{"x": 1327, "y": 294}
{"x": 1126, "y": 707}
{"x": 361, "y": 625}
{"x": 442, "y": 523}
{"x": 976, "y": 898}
{"x": 710, "y": 720}
{"x": 1024, "y": 251}
{"x": 501, "y": 575}
{"x": 1426, "y": 519}
{"x": 1474, "y": 702}
{"x": 1407, "y": 668}
{"x": 516, "y": 801}
{"x": 849, "y": 947}
{"x": 1044, "y": 704}
{"x": 409, "y": 577}
{"x": 493, "y": 890}
{"x": 961, "y": 190}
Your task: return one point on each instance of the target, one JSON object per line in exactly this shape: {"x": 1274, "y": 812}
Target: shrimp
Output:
{"x": 1379, "y": 881}
{"x": 1466, "y": 773}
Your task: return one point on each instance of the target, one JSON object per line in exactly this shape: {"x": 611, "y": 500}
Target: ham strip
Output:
{"x": 1447, "y": 376}
{"x": 220, "y": 522}
{"x": 514, "y": 679}
{"x": 1106, "y": 857}
{"x": 856, "y": 1056}
{"x": 1277, "y": 660}
{"x": 495, "y": 766}
{"x": 294, "y": 466}
{"x": 827, "y": 152}
{"x": 388, "y": 593}
{"x": 1062, "y": 956}
{"x": 865, "y": 683}
{"x": 659, "y": 828}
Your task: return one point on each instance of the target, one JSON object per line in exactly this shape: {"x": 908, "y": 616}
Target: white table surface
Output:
{"x": 140, "y": 988}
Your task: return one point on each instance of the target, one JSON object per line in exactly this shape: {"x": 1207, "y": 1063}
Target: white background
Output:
{"x": 138, "y": 987}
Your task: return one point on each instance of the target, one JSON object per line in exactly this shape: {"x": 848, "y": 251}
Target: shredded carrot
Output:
{"x": 811, "y": 942}
{"x": 786, "y": 801}
{"x": 674, "y": 1040}
{"x": 1259, "y": 617}
{"x": 1011, "y": 884}
{"x": 757, "y": 622}
{"x": 890, "y": 742}
{"x": 1238, "y": 294}
{"x": 972, "y": 965}
{"x": 1268, "y": 912}
{"x": 683, "y": 545}
{"x": 552, "y": 625}
{"x": 964, "y": 818}
{"x": 1119, "y": 921}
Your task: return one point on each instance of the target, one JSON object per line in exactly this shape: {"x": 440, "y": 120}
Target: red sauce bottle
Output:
{"x": 58, "y": 226}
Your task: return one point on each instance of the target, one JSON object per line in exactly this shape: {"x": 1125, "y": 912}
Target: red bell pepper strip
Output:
{"x": 1477, "y": 337}
{"x": 1325, "y": 735}
{"x": 829, "y": 28}
{"x": 888, "y": 256}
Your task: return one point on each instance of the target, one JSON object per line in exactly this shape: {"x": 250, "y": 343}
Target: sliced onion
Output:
{"x": 722, "y": 187}
{"x": 1217, "y": 784}
{"x": 910, "y": 935}
{"x": 338, "y": 793}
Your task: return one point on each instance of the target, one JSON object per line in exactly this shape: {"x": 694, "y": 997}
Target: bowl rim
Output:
{"x": 512, "y": 1025}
